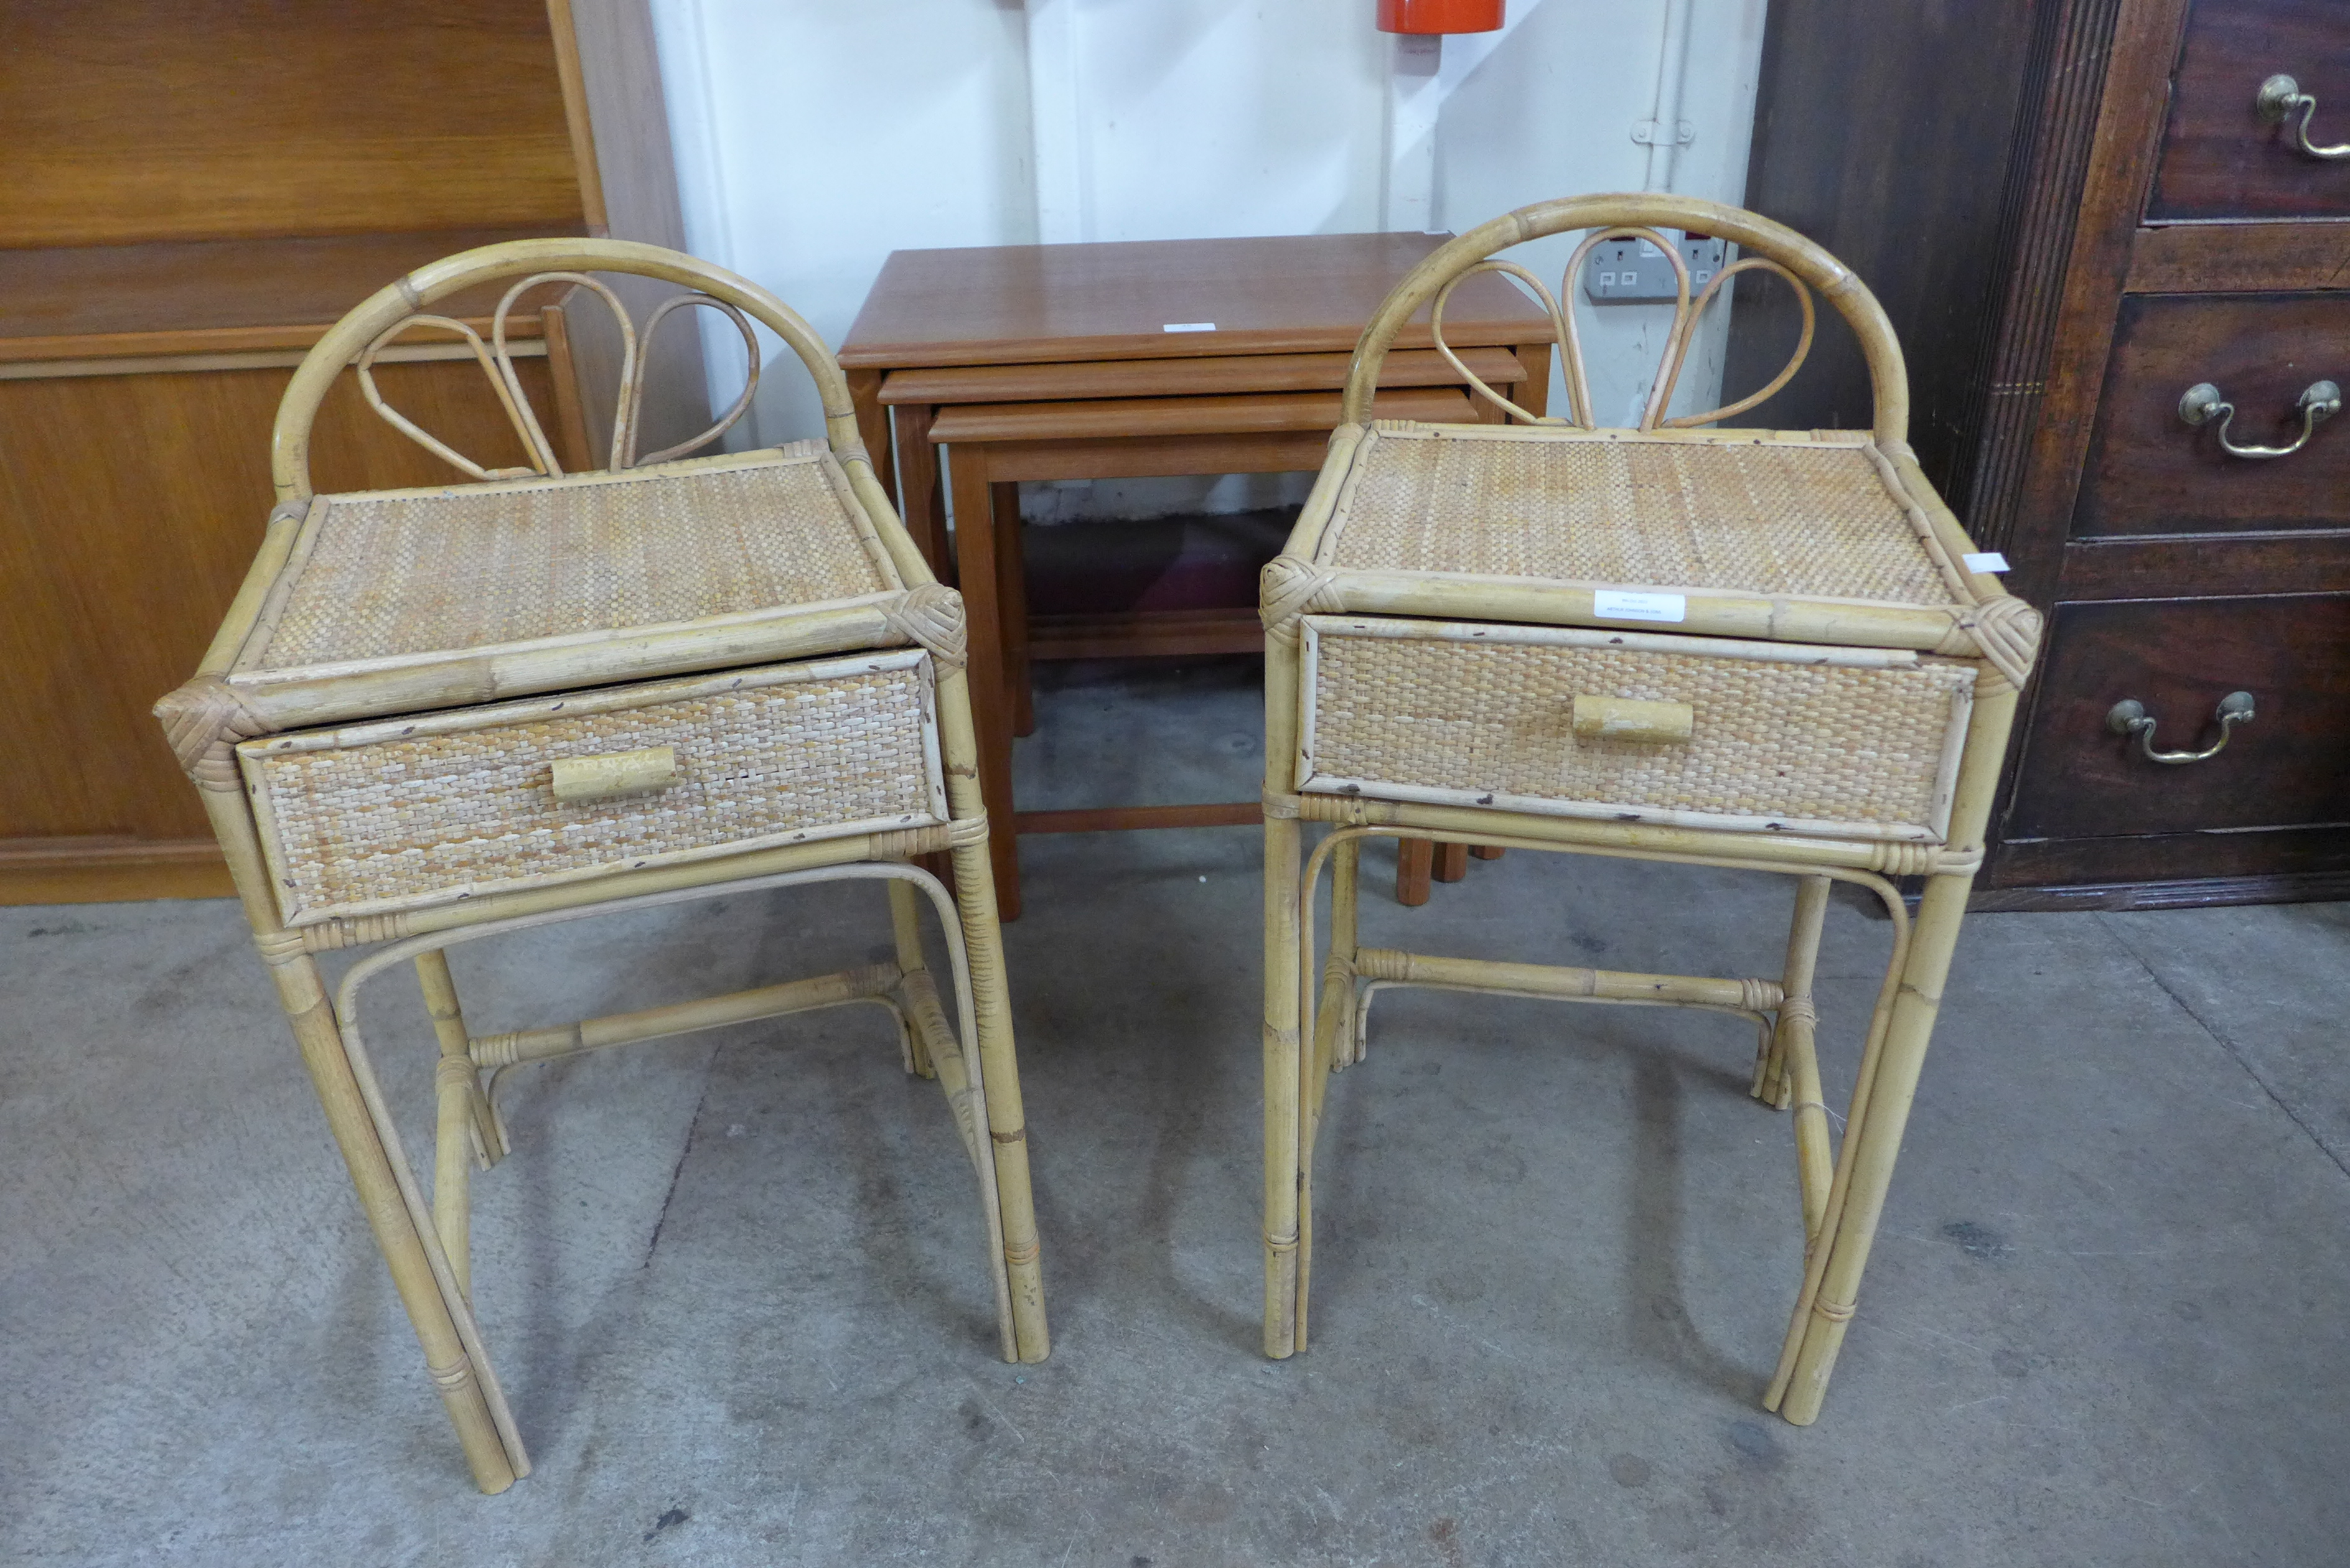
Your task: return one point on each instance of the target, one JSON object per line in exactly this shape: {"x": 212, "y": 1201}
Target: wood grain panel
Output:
{"x": 1134, "y": 457}
{"x": 2220, "y": 158}
{"x": 292, "y": 290}
{"x": 1280, "y": 295}
{"x": 2290, "y": 765}
{"x": 130, "y": 121}
{"x": 2149, "y": 472}
{"x": 130, "y": 508}
{"x": 1913, "y": 203}
{"x": 625, "y": 118}
{"x": 2168, "y": 870}
{"x": 103, "y": 870}
{"x": 2240, "y": 258}
{"x": 1114, "y": 419}
{"x": 2157, "y": 565}
{"x": 1202, "y": 377}
{"x": 2143, "y": 45}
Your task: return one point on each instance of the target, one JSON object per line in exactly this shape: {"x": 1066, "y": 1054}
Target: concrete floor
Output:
{"x": 733, "y": 1283}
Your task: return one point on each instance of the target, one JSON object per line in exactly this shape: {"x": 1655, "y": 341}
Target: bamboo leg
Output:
{"x": 1814, "y": 1159}
{"x": 906, "y": 923}
{"x": 1450, "y": 862}
{"x": 1414, "y": 859}
{"x": 974, "y": 886}
{"x": 307, "y": 1009}
{"x": 1334, "y": 1024}
{"x": 934, "y": 1051}
{"x": 302, "y": 995}
{"x": 1012, "y": 593}
{"x": 466, "y": 1131}
{"x": 1283, "y": 1180}
{"x": 1797, "y": 1393}
{"x": 1789, "y": 1072}
{"x": 991, "y": 716}
{"x": 1770, "y": 1084}
{"x": 1285, "y": 1202}
{"x": 1881, "y": 1106}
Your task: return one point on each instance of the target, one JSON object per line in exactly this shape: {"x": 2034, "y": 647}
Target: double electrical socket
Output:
{"x": 1635, "y": 272}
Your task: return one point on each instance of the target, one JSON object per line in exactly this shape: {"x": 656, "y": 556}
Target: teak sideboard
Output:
{"x": 191, "y": 196}
{"x": 2077, "y": 211}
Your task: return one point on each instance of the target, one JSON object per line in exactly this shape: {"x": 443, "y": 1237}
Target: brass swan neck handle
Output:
{"x": 2129, "y": 717}
{"x": 2280, "y": 99}
{"x": 2202, "y": 403}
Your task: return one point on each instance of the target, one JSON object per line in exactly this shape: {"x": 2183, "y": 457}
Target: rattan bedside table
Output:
{"x": 438, "y": 715}
{"x": 1752, "y": 649}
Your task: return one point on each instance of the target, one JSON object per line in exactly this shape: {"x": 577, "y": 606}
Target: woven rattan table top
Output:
{"x": 391, "y": 573}
{"x": 1813, "y": 518}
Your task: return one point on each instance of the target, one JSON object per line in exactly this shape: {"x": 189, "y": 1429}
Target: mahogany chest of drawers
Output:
{"x": 2097, "y": 223}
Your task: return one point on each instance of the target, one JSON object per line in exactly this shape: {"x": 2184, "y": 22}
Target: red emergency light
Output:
{"x": 1441, "y": 15}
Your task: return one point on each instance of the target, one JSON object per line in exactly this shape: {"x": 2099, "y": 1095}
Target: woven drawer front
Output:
{"x": 1841, "y": 741}
{"x": 406, "y": 813}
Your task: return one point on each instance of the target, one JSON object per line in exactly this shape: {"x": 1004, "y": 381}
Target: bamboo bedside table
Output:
{"x": 438, "y": 715}
{"x": 1123, "y": 361}
{"x": 1752, "y": 649}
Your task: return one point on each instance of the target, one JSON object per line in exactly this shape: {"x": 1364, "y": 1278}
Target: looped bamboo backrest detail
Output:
{"x": 362, "y": 335}
{"x": 497, "y": 363}
{"x": 1771, "y": 248}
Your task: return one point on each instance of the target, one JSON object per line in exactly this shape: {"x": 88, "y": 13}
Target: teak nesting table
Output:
{"x": 1124, "y": 361}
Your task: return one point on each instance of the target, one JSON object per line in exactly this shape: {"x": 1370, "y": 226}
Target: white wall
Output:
{"x": 1550, "y": 112}
{"x": 811, "y": 139}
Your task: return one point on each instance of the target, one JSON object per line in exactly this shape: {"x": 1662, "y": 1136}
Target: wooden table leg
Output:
{"x": 1414, "y": 857}
{"x": 1533, "y": 392}
{"x": 924, "y": 512}
{"x": 1486, "y": 851}
{"x": 1012, "y": 593}
{"x": 1450, "y": 862}
{"x": 991, "y": 712}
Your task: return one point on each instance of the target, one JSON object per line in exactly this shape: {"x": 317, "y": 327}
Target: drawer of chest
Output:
{"x": 2227, "y": 154}
{"x": 402, "y": 813}
{"x": 2179, "y": 659}
{"x": 1629, "y": 726}
{"x": 2151, "y": 472}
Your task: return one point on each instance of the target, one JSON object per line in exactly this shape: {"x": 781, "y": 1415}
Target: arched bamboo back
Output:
{"x": 360, "y": 334}
{"x": 1770, "y": 246}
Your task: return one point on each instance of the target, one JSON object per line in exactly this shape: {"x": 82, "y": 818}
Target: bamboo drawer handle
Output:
{"x": 616, "y": 772}
{"x": 1628, "y": 718}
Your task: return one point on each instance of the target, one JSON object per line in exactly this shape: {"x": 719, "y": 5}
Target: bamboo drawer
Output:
{"x": 1632, "y": 726}
{"x": 418, "y": 811}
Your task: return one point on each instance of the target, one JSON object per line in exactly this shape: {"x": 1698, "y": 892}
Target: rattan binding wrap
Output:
{"x": 1815, "y": 519}
{"x": 423, "y": 571}
{"x": 400, "y": 822}
{"x": 1836, "y": 747}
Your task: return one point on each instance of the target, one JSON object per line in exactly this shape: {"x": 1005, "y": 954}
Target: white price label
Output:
{"x": 1987, "y": 561}
{"x": 1609, "y": 603}
{"x": 1189, "y": 326}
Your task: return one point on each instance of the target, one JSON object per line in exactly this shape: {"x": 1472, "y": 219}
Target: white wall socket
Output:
{"x": 1635, "y": 272}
